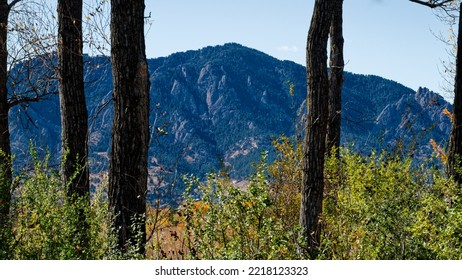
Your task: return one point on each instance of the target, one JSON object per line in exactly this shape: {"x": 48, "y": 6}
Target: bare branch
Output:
{"x": 24, "y": 99}
{"x": 431, "y": 4}
{"x": 14, "y": 2}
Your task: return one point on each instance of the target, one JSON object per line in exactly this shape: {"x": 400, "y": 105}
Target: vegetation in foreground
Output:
{"x": 375, "y": 207}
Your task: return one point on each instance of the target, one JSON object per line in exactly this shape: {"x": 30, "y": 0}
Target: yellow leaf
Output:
{"x": 448, "y": 114}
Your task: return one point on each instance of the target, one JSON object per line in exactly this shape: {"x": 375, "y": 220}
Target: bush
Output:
{"x": 375, "y": 207}
{"x": 381, "y": 207}
{"x": 222, "y": 221}
{"x": 438, "y": 223}
{"x": 285, "y": 181}
{"x": 44, "y": 220}
{"x": 46, "y": 223}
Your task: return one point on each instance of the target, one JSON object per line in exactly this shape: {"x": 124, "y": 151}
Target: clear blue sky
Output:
{"x": 389, "y": 38}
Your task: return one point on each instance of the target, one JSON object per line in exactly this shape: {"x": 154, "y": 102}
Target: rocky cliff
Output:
{"x": 221, "y": 106}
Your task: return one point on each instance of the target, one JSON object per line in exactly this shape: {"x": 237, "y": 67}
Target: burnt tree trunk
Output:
{"x": 74, "y": 116}
{"x": 316, "y": 126}
{"x": 335, "y": 77}
{"x": 130, "y": 133}
{"x": 455, "y": 140}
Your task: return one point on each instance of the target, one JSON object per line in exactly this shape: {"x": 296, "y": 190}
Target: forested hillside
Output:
{"x": 222, "y": 106}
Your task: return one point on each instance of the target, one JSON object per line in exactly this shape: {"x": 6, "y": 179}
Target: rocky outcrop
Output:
{"x": 223, "y": 105}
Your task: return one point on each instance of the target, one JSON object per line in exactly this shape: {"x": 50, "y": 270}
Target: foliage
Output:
{"x": 286, "y": 178}
{"x": 375, "y": 207}
{"x": 370, "y": 208}
{"x": 438, "y": 222}
{"x": 226, "y": 222}
{"x": 5, "y": 197}
{"x": 381, "y": 207}
{"x": 45, "y": 221}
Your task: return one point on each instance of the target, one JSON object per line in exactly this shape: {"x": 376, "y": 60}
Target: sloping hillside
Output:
{"x": 221, "y": 106}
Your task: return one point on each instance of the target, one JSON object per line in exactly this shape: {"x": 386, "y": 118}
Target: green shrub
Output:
{"x": 375, "y": 207}
{"x": 381, "y": 207}
{"x": 46, "y": 223}
{"x": 438, "y": 221}
{"x": 226, "y": 222}
{"x": 44, "y": 219}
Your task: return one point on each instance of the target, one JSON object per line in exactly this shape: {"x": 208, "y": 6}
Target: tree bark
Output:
{"x": 5, "y": 149}
{"x": 455, "y": 139}
{"x": 130, "y": 133}
{"x": 316, "y": 126}
{"x": 74, "y": 115}
{"x": 335, "y": 78}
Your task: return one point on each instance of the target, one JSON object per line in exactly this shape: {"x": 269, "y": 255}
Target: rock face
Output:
{"x": 413, "y": 116}
{"x": 221, "y": 106}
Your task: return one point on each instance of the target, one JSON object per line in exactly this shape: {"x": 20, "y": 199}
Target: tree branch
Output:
{"x": 430, "y": 3}
{"x": 19, "y": 100}
{"x": 14, "y": 2}
{"x": 25, "y": 99}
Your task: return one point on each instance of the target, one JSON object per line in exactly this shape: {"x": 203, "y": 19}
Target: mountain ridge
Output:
{"x": 222, "y": 105}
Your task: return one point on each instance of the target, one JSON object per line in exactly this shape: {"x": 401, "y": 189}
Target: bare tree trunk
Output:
{"x": 316, "y": 126}
{"x": 455, "y": 140}
{"x": 130, "y": 133}
{"x": 335, "y": 77}
{"x": 74, "y": 116}
{"x": 5, "y": 149}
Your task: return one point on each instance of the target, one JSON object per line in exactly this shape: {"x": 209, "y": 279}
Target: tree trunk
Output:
{"x": 130, "y": 133}
{"x": 455, "y": 140}
{"x": 5, "y": 150}
{"x": 335, "y": 77}
{"x": 74, "y": 116}
{"x": 316, "y": 126}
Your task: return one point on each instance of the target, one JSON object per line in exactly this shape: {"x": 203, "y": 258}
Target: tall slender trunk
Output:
{"x": 455, "y": 140}
{"x": 316, "y": 126}
{"x": 335, "y": 77}
{"x": 5, "y": 149}
{"x": 130, "y": 133}
{"x": 74, "y": 116}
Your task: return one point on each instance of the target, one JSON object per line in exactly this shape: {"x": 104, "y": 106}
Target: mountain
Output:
{"x": 221, "y": 106}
